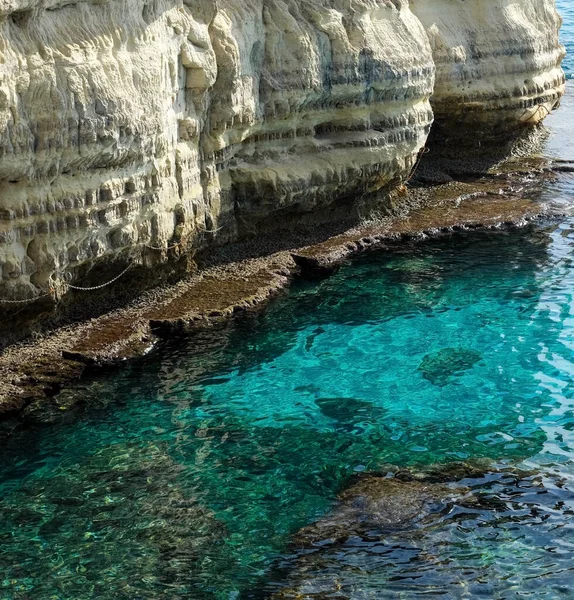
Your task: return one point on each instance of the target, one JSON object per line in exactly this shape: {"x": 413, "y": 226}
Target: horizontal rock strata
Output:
{"x": 498, "y": 67}
{"x": 137, "y": 133}
{"x": 129, "y": 127}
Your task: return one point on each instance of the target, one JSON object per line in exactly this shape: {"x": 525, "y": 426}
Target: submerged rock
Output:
{"x": 455, "y": 531}
{"x": 377, "y": 504}
{"x": 348, "y": 412}
{"x": 439, "y": 367}
{"x": 81, "y": 514}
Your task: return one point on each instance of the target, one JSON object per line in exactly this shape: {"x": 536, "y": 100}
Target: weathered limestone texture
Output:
{"x": 130, "y": 127}
{"x": 126, "y": 124}
{"x": 498, "y": 66}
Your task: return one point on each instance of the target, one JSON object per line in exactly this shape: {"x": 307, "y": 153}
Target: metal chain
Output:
{"x": 56, "y": 282}
{"x": 422, "y": 152}
{"x": 96, "y": 287}
{"x": 163, "y": 249}
{"x": 539, "y": 106}
{"x": 50, "y": 293}
{"x": 61, "y": 282}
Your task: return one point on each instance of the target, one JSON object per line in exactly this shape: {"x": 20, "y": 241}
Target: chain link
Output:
{"x": 95, "y": 287}
{"x": 422, "y": 152}
{"x": 56, "y": 283}
{"x": 27, "y": 301}
{"x": 164, "y": 249}
{"x": 62, "y": 283}
{"x": 535, "y": 113}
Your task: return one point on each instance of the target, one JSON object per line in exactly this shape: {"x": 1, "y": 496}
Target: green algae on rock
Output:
{"x": 439, "y": 367}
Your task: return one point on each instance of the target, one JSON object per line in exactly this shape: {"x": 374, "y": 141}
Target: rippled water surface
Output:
{"x": 193, "y": 469}
{"x": 566, "y": 8}
{"x": 223, "y": 445}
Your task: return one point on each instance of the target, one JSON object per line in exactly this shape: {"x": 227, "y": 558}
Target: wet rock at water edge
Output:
{"x": 378, "y": 504}
{"x": 442, "y": 530}
{"x": 327, "y": 555}
{"x": 439, "y": 367}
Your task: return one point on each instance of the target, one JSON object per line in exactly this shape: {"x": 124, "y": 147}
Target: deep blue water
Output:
{"x": 191, "y": 469}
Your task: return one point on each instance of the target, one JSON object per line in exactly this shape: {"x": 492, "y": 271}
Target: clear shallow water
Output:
{"x": 222, "y": 446}
{"x": 193, "y": 469}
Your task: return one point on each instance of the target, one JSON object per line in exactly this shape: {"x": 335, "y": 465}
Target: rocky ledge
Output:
{"x": 243, "y": 277}
{"x": 397, "y": 533}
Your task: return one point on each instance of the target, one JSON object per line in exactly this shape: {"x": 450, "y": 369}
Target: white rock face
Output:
{"x": 127, "y": 123}
{"x": 498, "y": 65}
{"x": 130, "y": 124}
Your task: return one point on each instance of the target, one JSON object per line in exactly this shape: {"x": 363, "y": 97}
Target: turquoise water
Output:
{"x": 193, "y": 468}
{"x": 567, "y": 11}
{"x": 189, "y": 471}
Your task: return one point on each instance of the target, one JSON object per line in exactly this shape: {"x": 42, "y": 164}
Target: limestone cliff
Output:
{"x": 498, "y": 66}
{"x": 128, "y": 126}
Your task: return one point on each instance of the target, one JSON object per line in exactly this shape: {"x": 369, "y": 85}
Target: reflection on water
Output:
{"x": 194, "y": 468}
{"x": 498, "y": 536}
{"x": 567, "y": 11}
{"x": 223, "y": 445}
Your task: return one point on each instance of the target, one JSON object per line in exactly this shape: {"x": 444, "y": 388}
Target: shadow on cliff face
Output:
{"x": 19, "y": 322}
{"x": 468, "y": 154}
{"x": 485, "y": 174}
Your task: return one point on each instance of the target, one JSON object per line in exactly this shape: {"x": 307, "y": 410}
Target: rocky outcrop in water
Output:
{"x": 131, "y": 128}
{"x": 459, "y": 531}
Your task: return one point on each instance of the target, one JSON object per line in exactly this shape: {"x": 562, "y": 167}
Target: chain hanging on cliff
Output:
{"x": 27, "y": 300}
{"x": 60, "y": 285}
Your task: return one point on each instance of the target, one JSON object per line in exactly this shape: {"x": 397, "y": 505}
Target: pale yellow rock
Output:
{"x": 126, "y": 124}
{"x": 130, "y": 124}
{"x": 498, "y": 65}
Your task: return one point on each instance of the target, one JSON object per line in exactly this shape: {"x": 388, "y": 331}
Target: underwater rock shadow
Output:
{"x": 425, "y": 533}
{"x": 349, "y": 413}
{"x": 440, "y": 367}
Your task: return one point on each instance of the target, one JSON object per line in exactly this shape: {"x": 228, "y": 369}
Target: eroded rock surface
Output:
{"x": 128, "y": 127}
{"x": 131, "y": 131}
{"x": 498, "y": 67}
